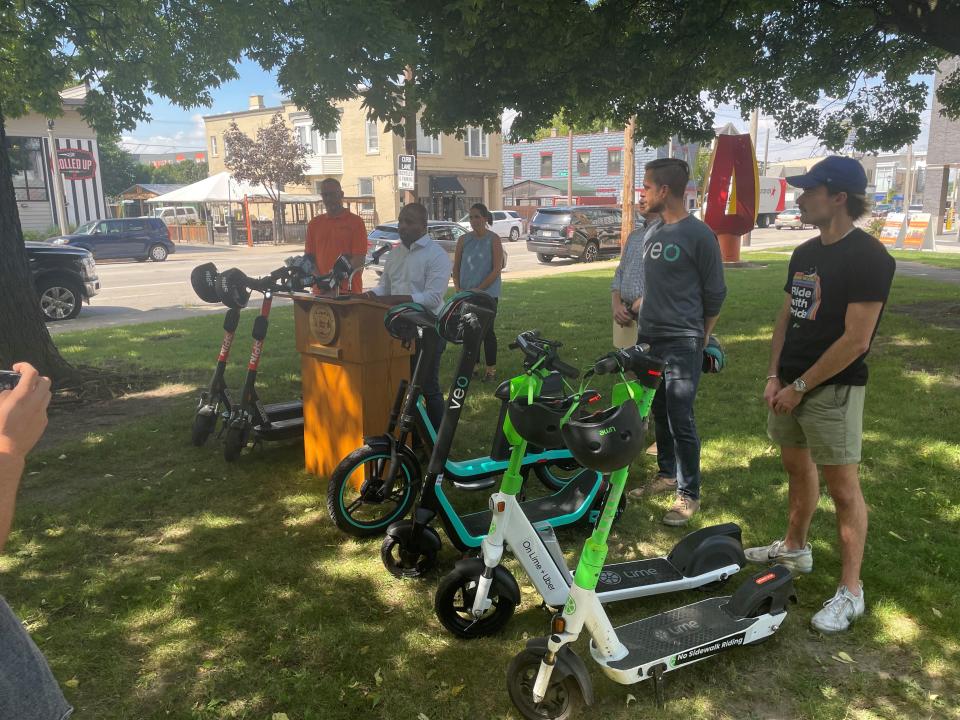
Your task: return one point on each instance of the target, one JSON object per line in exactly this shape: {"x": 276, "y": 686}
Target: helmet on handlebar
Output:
{"x": 449, "y": 321}
{"x": 607, "y": 440}
{"x": 539, "y": 422}
{"x": 714, "y": 358}
{"x": 398, "y": 322}
{"x": 204, "y": 281}
{"x": 232, "y": 286}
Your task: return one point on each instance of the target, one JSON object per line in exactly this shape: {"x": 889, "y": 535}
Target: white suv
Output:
{"x": 506, "y": 224}
{"x": 177, "y": 215}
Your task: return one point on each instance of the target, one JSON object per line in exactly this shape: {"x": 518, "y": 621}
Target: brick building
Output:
{"x": 943, "y": 155}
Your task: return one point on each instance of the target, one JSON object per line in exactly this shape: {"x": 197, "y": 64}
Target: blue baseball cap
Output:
{"x": 839, "y": 174}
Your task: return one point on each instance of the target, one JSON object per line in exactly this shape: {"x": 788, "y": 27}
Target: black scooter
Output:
{"x": 250, "y": 418}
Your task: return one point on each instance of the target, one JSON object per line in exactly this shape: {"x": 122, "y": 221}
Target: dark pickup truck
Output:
{"x": 64, "y": 277}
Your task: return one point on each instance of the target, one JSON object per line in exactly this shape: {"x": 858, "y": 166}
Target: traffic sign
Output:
{"x": 406, "y": 172}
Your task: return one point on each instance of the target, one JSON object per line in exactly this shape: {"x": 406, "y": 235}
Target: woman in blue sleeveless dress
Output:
{"x": 477, "y": 265}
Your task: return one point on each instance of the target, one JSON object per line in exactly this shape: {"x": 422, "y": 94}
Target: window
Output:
{"x": 365, "y": 186}
{"x": 373, "y": 138}
{"x": 517, "y": 166}
{"x": 546, "y": 165}
{"x": 26, "y": 157}
{"x": 499, "y": 215}
{"x": 304, "y": 136}
{"x": 476, "y": 143}
{"x": 328, "y": 144}
{"x": 583, "y": 162}
{"x": 213, "y": 146}
{"x": 427, "y": 144}
{"x": 614, "y": 161}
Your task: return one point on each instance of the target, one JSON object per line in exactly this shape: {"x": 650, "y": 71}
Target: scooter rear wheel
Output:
{"x": 203, "y": 426}
{"x": 453, "y": 604}
{"x": 562, "y": 698}
{"x": 355, "y": 493}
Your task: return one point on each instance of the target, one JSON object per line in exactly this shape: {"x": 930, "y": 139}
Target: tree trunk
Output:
{"x": 23, "y": 333}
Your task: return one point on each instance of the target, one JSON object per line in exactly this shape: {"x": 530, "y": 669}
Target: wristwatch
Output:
{"x": 800, "y": 386}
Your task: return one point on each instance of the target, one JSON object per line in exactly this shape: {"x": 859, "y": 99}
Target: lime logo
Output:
{"x": 571, "y": 607}
{"x": 607, "y": 431}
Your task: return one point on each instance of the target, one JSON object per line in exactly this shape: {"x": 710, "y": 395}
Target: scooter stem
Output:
{"x": 595, "y": 548}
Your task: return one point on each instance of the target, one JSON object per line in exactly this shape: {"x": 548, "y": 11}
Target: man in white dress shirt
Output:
{"x": 417, "y": 270}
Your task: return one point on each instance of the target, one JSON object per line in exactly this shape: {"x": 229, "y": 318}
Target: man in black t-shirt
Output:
{"x": 836, "y": 288}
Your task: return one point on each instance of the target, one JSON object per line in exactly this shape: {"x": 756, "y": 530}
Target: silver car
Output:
{"x": 789, "y": 219}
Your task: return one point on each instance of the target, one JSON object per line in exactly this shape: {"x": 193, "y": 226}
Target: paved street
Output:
{"x": 133, "y": 292}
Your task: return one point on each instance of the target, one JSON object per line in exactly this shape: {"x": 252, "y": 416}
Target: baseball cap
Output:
{"x": 839, "y": 174}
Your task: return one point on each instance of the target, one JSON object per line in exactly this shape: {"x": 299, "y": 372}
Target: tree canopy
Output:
{"x": 841, "y": 70}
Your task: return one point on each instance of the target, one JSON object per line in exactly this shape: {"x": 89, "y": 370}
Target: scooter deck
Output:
{"x": 561, "y": 508}
{"x": 281, "y": 429}
{"x": 284, "y": 410}
{"x": 636, "y": 574}
{"x": 676, "y": 631}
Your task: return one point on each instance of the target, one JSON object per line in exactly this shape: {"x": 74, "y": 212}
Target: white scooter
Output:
{"x": 472, "y": 600}
{"x": 547, "y": 680}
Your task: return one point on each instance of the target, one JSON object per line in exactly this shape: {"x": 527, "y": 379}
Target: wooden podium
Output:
{"x": 350, "y": 369}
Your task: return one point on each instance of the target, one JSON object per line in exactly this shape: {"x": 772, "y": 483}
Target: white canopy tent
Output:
{"x": 219, "y": 188}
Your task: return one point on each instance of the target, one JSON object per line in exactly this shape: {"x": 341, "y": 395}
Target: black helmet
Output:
{"x": 449, "y": 323}
{"x": 232, "y": 286}
{"x": 204, "y": 281}
{"x": 607, "y": 440}
{"x": 398, "y": 322}
{"x": 539, "y": 422}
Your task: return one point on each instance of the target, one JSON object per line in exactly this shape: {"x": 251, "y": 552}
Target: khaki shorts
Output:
{"x": 828, "y": 421}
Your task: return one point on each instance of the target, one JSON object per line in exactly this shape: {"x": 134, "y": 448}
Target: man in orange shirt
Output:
{"x": 337, "y": 232}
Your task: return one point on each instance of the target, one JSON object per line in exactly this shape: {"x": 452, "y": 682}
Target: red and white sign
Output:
{"x": 76, "y": 164}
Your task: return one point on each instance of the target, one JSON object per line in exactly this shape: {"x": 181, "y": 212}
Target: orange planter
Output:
{"x": 729, "y": 247}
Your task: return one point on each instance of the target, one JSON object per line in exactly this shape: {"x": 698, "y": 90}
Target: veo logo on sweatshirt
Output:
{"x": 656, "y": 250}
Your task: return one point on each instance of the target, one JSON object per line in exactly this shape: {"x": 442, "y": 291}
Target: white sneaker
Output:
{"x": 839, "y": 611}
{"x": 796, "y": 561}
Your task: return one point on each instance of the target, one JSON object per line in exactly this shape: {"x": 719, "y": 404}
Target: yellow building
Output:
{"x": 452, "y": 174}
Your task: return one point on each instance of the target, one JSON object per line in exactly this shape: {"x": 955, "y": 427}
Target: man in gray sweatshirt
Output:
{"x": 683, "y": 292}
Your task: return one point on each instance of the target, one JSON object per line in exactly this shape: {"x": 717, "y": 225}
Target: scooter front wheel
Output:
{"x": 203, "y": 426}
{"x": 555, "y": 474}
{"x": 234, "y": 442}
{"x": 453, "y": 604}
{"x": 403, "y": 560}
{"x": 357, "y": 500}
{"x": 562, "y": 698}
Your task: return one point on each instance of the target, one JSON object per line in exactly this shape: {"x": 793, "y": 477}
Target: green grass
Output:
{"x": 163, "y": 583}
{"x": 937, "y": 259}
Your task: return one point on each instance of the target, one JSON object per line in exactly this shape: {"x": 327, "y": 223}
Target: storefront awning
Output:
{"x": 446, "y": 185}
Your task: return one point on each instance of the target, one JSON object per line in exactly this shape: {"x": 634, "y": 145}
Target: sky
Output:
{"x": 177, "y": 129}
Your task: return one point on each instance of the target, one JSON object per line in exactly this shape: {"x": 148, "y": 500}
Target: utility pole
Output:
{"x": 766, "y": 152}
{"x": 570, "y": 165}
{"x": 908, "y": 181}
{"x": 754, "y": 122}
{"x": 410, "y": 107}
{"x": 629, "y": 171}
{"x": 59, "y": 200}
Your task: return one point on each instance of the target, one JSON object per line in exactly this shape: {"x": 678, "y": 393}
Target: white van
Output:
{"x": 177, "y": 215}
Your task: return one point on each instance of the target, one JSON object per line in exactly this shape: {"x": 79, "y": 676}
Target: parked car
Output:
{"x": 64, "y": 278}
{"x": 176, "y": 215}
{"x": 789, "y": 219}
{"x": 586, "y": 232}
{"x": 137, "y": 238}
{"x": 506, "y": 224}
{"x": 443, "y": 233}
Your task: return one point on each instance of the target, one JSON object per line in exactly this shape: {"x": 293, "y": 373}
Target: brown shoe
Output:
{"x": 683, "y": 509}
{"x": 661, "y": 484}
